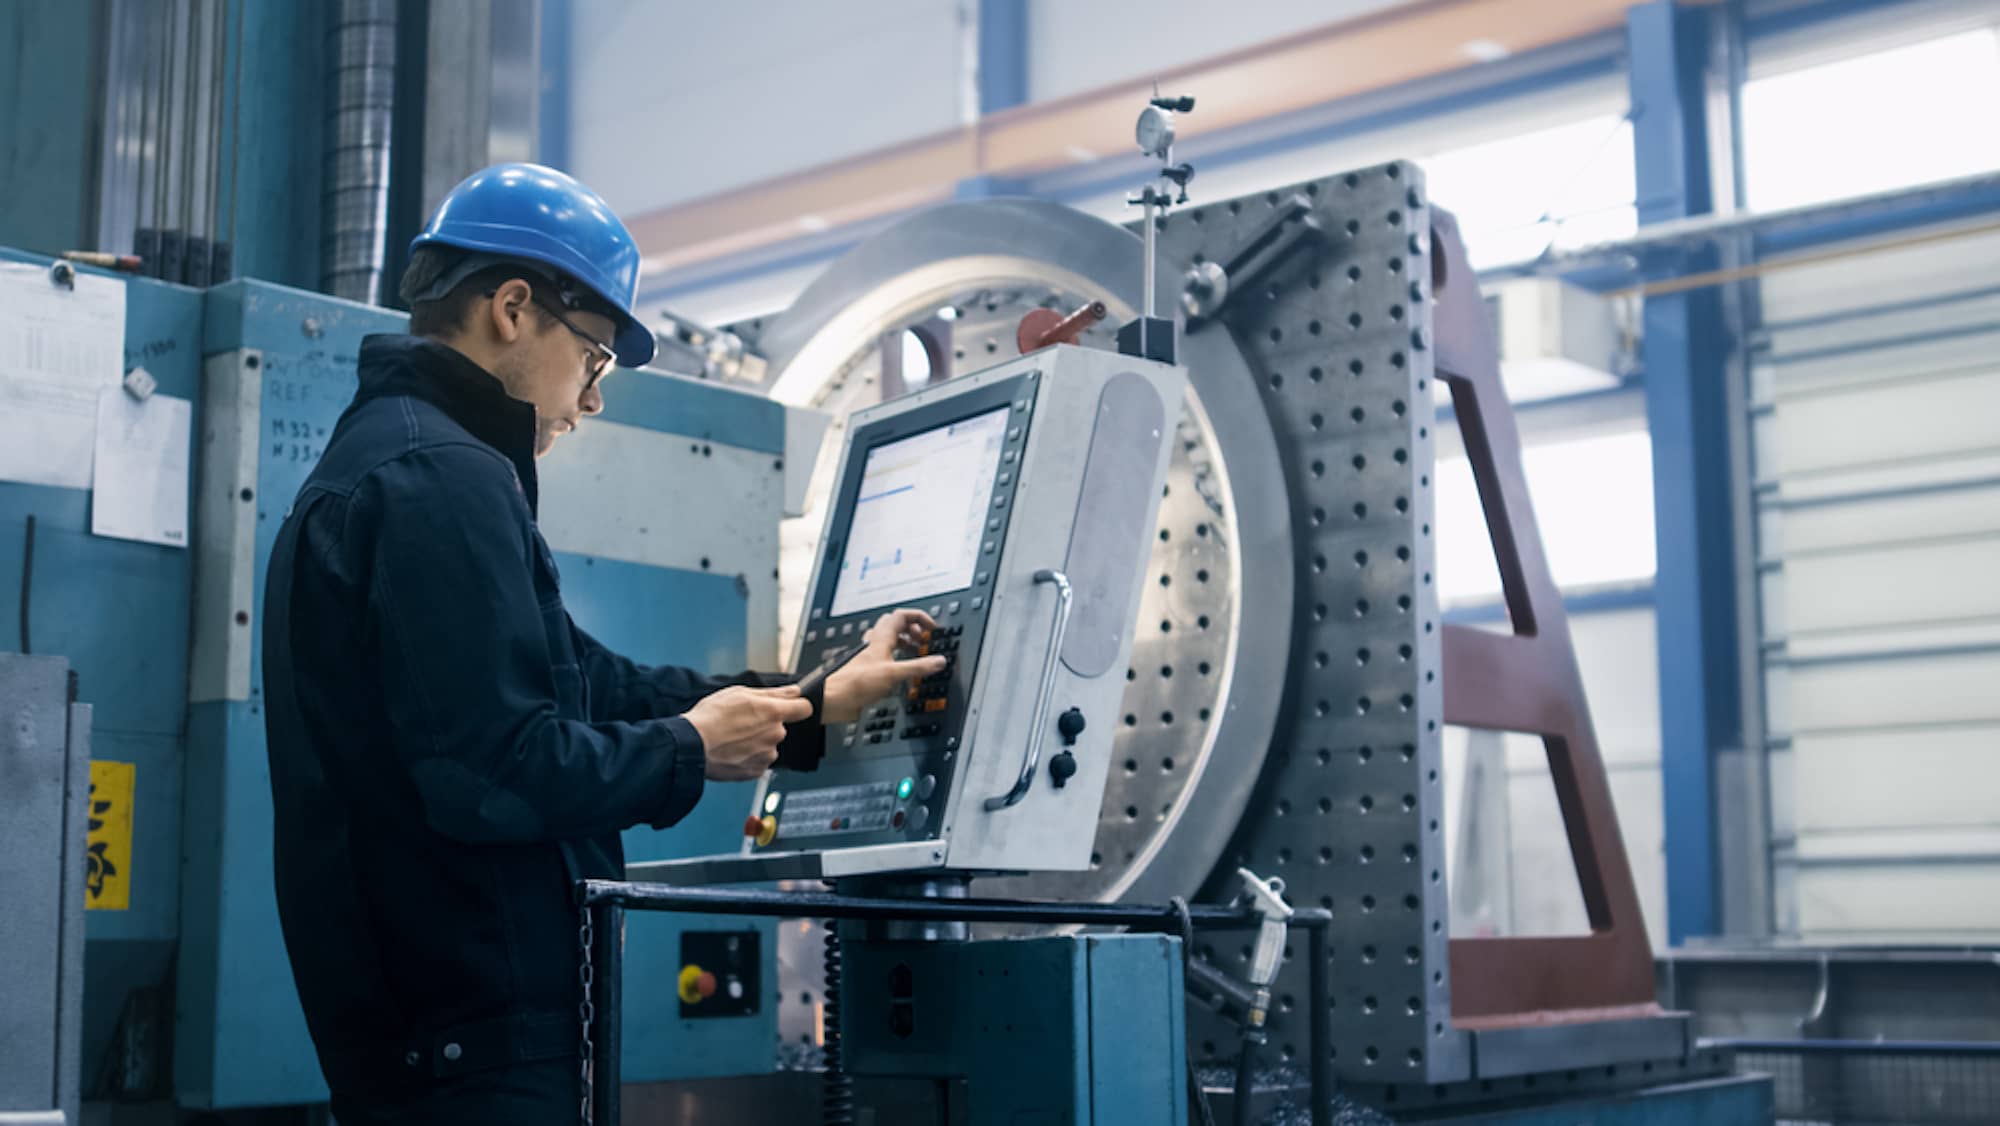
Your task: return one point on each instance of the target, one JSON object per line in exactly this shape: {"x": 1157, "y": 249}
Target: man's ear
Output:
{"x": 507, "y": 308}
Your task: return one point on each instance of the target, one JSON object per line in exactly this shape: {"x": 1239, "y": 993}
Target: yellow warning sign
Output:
{"x": 108, "y": 849}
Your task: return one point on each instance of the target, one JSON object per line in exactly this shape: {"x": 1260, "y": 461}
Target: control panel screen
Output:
{"x": 918, "y": 519}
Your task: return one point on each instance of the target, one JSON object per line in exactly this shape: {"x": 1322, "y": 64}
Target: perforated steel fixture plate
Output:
{"x": 1337, "y": 333}
{"x": 1285, "y": 700}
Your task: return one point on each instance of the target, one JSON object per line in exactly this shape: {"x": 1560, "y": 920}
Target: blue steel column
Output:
{"x": 1003, "y": 81}
{"x": 1003, "y": 55}
{"x": 1684, "y": 353}
{"x": 552, "y": 115}
{"x": 49, "y": 66}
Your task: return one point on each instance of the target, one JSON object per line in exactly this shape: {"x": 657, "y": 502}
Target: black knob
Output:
{"x": 1070, "y": 725}
{"x": 1062, "y": 768}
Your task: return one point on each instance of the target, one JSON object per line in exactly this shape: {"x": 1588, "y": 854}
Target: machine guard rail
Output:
{"x": 608, "y": 900}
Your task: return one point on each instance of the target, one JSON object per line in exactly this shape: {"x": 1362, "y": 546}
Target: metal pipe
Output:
{"x": 1219, "y": 985}
{"x": 1860, "y": 1047}
{"x": 1246, "y": 1077}
{"x": 1701, "y": 228}
{"x": 224, "y": 262}
{"x": 155, "y": 126}
{"x": 806, "y": 904}
{"x": 1150, "y": 232}
{"x": 218, "y": 63}
{"x": 1319, "y": 1023}
{"x": 355, "y": 217}
{"x": 190, "y": 117}
{"x": 609, "y": 992}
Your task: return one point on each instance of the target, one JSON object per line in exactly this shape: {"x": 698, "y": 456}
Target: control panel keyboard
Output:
{"x": 865, "y": 808}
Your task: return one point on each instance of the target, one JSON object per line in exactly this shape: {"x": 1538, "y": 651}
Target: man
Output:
{"x": 449, "y": 752}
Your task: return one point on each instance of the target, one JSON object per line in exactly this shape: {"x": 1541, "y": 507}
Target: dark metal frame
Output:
{"x": 608, "y": 900}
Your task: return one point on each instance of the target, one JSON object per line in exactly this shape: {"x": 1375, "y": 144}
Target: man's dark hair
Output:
{"x": 446, "y": 315}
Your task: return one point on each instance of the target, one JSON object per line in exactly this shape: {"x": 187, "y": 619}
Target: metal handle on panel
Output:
{"x": 1042, "y": 695}
{"x": 32, "y": 1118}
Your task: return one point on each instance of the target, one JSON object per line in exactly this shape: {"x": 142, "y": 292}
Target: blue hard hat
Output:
{"x": 537, "y": 214}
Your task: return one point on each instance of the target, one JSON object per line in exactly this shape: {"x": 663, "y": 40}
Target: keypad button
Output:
{"x": 977, "y": 602}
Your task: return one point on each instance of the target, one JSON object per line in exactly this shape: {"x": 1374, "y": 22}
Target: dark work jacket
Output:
{"x": 449, "y": 752}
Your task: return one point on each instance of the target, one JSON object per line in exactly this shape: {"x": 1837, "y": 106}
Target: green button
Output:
{"x": 903, "y": 789}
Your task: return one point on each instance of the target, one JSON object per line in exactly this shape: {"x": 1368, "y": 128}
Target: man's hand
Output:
{"x": 741, "y": 728}
{"x": 876, "y": 672}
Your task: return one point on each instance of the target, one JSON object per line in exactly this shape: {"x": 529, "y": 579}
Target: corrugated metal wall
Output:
{"x": 1876, "y": 460}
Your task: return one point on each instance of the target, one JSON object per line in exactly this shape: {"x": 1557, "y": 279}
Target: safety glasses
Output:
{"x": 602, "y": 356}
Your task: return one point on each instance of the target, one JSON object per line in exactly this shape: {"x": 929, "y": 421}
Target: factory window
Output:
{"x": 1552, "y": 188}
{"x": 1593, "y": 499}
{"x": 1509, "y": 870}
{"x": 1873, "y": 123}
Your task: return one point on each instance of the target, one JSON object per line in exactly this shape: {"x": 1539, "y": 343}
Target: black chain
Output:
{"x": 586, "y": 1013}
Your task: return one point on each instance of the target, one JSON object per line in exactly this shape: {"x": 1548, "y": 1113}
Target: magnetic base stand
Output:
{"x": 1148, "y": 338}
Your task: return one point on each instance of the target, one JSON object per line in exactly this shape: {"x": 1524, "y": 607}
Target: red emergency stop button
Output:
{"x": 696, "y": 984}
{"x": 762, "y": 830}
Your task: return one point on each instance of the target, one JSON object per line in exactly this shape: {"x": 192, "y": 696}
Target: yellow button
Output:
{"x": 767, "y": 830}
{"x": 696, "y": 984}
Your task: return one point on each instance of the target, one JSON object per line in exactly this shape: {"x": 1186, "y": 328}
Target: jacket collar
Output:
{"x": 446, "y": 378}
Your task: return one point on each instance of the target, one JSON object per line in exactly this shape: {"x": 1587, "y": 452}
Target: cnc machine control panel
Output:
{"x": 924, "y": 528}
{"x": 1016, "y": 507}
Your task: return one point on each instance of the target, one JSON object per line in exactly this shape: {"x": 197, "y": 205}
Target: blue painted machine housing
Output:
{"x": 202, "y": 924}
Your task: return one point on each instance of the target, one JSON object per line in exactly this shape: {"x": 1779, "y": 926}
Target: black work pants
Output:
{"x": 537, "y": 1094}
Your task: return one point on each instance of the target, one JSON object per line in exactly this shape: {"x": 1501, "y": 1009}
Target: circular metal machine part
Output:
{"x": 1214, "y": 628}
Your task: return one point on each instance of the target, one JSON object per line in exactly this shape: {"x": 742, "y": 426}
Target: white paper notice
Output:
{"x": 142, "y": 468}
{"x": 59, "y": 348}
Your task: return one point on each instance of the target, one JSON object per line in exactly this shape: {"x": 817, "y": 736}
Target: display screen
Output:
{"x": 918, "y": 519}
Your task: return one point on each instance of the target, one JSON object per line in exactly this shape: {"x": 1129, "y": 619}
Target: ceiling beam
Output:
{"x": 1322, "y": 65}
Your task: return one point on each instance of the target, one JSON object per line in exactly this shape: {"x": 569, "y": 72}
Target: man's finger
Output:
{"x": 779, "y": 690}
{"x": 910, "y": 615}
{"x": 795, "y": 710}
{"x": 918, "y": 666}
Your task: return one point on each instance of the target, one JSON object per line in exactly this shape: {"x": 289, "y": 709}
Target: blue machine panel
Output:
{"x": 119, "y": 612}
{"x": 239, "y": 1037}
{"x": 1068, "y": 1031}
{"x": 200, "y": 875}
{"x": 657, "y": 615}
